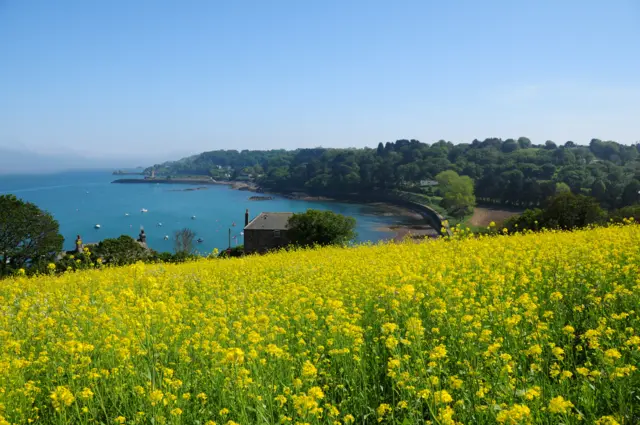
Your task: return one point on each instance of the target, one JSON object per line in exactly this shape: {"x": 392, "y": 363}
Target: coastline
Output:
{"x": 412, "y": 225}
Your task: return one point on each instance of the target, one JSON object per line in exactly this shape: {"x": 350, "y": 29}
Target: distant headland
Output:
{"x": 127, "y": 173}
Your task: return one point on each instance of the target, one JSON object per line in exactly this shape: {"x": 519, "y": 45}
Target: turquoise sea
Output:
{"x": 79, "y": 200}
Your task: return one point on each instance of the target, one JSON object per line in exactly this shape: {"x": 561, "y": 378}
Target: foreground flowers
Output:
{"x": 517, "y": 329}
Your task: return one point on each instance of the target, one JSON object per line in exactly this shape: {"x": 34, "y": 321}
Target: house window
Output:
{"x": 276, "y": 233}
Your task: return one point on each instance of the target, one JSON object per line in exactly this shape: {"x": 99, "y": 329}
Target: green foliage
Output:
{"x": 236, "y": 251}
{"x": 457, "y": 193}
{"x": 563, "y": 211}
{"x": 120, "y": 251}
{"x": 631, "y": 193}
{"x": 28, "y": 235}
{"x": 316, "y": 227}
{"x": 562, "y": 188}
{"x": 513, "y": 172}
{"x": 178, "y": 257}
{"x": 629, "y": 212}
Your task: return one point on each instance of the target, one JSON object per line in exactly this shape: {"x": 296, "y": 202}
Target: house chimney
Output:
{"x": 246, "y": 218}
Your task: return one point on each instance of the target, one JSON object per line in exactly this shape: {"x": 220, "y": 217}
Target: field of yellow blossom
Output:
{"x": 523, "y": 329}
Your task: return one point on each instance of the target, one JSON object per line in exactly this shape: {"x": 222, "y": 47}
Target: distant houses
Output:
{"x": 267, "y": 231}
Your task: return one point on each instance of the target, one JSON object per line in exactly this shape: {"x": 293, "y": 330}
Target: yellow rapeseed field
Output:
{"x": 538, "y": 328}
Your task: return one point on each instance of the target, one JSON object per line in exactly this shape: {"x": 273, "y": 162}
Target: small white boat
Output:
{"x": 159, "y": 224}
{"x": 126, "y": 214}
{"x": 144, "y": 210}
{"x": 193, "y": 217}
{"x": 97, "y": 226}
{"x": 166, "y": 237}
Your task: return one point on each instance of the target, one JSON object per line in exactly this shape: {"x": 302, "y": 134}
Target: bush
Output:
{"x": 563, "y": 211}
{"x": 630, "y": 212}
{"x": 316, "y": 227}
{"x": 122, "y": 250}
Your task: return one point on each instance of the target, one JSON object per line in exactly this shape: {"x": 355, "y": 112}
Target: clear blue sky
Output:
{"x": 156, "y": 77}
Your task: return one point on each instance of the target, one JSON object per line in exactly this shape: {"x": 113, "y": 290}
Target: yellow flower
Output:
{"x": 558, "y": 353}
{"x": 86, "y": 393}
{"x": 442, "y": 397}
{"x": 120, "y": 420}
{"x": 439, "y": 352}
{"x": 607, "y": 420}
{"x": 155, "y": 397}
{"x": 62, "y": 397}
{"x": 612, "y": 354}
{"x": 532, "y": 393}
{"x": 559, "y": 405}
{"x": 382, "y": 410}
{"x": 391, "y": 342}
{"x": 281, "y": 399}
{"x": 223, "y": 412}
{"x": 514, "y": 415}
{"x": 316, "y": 393}
{"x": 309, "y": 370}
{"x": 176, "y": 412}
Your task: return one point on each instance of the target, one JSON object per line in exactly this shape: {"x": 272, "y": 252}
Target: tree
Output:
{"x": 562, "y": 211}
{"x": 120, "y": 251}
{"x": 524, "y": 142}
{"x": 631, "y": 193}
{"x": 562, "y": 187}
{"x": 510, "y": 146}
{"x": 457, "y": 193}
{"x": 568, "y": 211}
{"x": 550, "y": 144}
{"x": 316, "y": 227}
{"x": 598, "y": 190}
{"x": 183, "y": 241}
{"x": 28, "y": 235}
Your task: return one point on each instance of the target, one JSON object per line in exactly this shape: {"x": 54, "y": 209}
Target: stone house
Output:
{"x": 266, "y": 232}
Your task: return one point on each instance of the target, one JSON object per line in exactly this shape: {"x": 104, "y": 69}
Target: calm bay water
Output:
{"x": 80, "y": 200}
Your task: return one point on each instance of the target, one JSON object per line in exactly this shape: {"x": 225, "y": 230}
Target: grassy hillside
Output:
{"x": 537, "y": 328}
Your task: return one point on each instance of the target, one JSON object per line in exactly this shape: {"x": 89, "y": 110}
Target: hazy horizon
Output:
{"x": 150, "y": 81}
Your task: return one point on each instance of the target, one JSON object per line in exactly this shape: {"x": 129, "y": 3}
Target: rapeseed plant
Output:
{"x": 510, "y": 329}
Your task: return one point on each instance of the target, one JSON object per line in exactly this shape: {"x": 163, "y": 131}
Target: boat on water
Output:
{"x": 159, "y": 224}
{"x": 144, "y": 210}
{"x": 193, "y": 217}
{"x": 126, "y": 214}
{"x": 200, "y": 240}
{"x": 97, "y": 226}
{"x": 166, "y": 237}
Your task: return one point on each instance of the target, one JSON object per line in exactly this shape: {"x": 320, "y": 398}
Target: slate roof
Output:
{"x": 269, "y": 221}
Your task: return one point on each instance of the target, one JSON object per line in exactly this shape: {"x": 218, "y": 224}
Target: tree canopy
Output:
{"x": 315, "y": 227}
{"x": 563, "y": 211}
{"x": 28, "y": 235}
{"x": 514, "y": 172}
{"x": 457, "y": 193}
{"x": 120, "y": 251}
